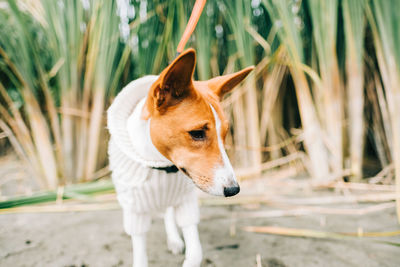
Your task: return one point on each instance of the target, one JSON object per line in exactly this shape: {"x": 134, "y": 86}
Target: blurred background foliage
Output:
{"x": 324, "y": 96}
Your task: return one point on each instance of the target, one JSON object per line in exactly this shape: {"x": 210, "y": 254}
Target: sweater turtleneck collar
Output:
{"x": 118, "y": 115}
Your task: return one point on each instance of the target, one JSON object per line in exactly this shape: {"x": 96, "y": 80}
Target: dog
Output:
{"x": 167, "y": 137}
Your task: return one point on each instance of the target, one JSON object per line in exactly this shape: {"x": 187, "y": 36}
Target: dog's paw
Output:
{"x": 191, "y": 263}
{"x": 176, "y": 245}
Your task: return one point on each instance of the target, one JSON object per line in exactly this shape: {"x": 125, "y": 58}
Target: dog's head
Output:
{"x": 188, "y": 126}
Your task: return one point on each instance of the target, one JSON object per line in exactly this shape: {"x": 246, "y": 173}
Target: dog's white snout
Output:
{"x": 231, "y": 188}
{"x": 225, "y": 183}
{"x": 231, "y": 182}
{"x": 224, "y": 177}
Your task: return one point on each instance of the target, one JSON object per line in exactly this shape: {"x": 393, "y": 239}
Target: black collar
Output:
{"x": 168, "y": 169}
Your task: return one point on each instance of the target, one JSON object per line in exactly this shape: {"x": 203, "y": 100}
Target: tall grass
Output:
{"x": 245, "y": 108}
{"x": 288, "y": 26}
{"x": 61, "y": 59}
{"x": 62, "y": 62}
{"x": 384, "y": 21}
{"x": 354, "y": 19}
{"x": 329, "y": 93}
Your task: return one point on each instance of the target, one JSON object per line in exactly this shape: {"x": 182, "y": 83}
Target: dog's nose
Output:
{"x": 231, "y": 191}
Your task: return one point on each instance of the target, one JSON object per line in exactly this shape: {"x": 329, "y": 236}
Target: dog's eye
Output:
{"x": 198, "y": 135}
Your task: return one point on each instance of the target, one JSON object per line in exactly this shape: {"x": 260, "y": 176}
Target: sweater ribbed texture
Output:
{"x": 140, "y": 189}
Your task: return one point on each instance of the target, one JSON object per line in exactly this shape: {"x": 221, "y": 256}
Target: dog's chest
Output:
{"x": 144, "y": 189}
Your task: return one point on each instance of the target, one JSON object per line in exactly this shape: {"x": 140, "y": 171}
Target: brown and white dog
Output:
{"x": 179, "y": 125}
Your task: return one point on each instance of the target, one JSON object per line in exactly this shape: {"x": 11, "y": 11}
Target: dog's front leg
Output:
{"x": 174, "y": 241}
{"x": 187, "y": 218}
{"x": 193, "y": 253}
{"x": 139, "y": 250}
{"x": 140, "y": 224}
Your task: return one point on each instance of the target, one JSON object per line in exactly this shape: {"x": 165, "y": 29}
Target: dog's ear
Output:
{"x": 179, "y": 73}
{"x": 223, "y": 84}
{"x": 175, "y": 82}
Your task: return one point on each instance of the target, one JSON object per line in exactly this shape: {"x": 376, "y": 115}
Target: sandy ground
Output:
{"x": 97, "y": 239}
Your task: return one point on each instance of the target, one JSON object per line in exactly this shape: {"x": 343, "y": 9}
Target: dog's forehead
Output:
{"x": 211, "y": 99}
{"x": 193, "y": 111}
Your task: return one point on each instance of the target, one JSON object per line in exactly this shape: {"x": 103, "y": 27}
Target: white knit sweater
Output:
{"x": 142, "y": 190}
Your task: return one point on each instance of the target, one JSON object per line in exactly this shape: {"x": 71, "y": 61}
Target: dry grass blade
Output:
{"x": 62, "y": 208}
{"x": 298, "y": 210}
{"x": 323, "y": 200}
{"x": 355, "y": 186}
{"x": 252, "y": 172}
{"x": 274, "y": 230}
